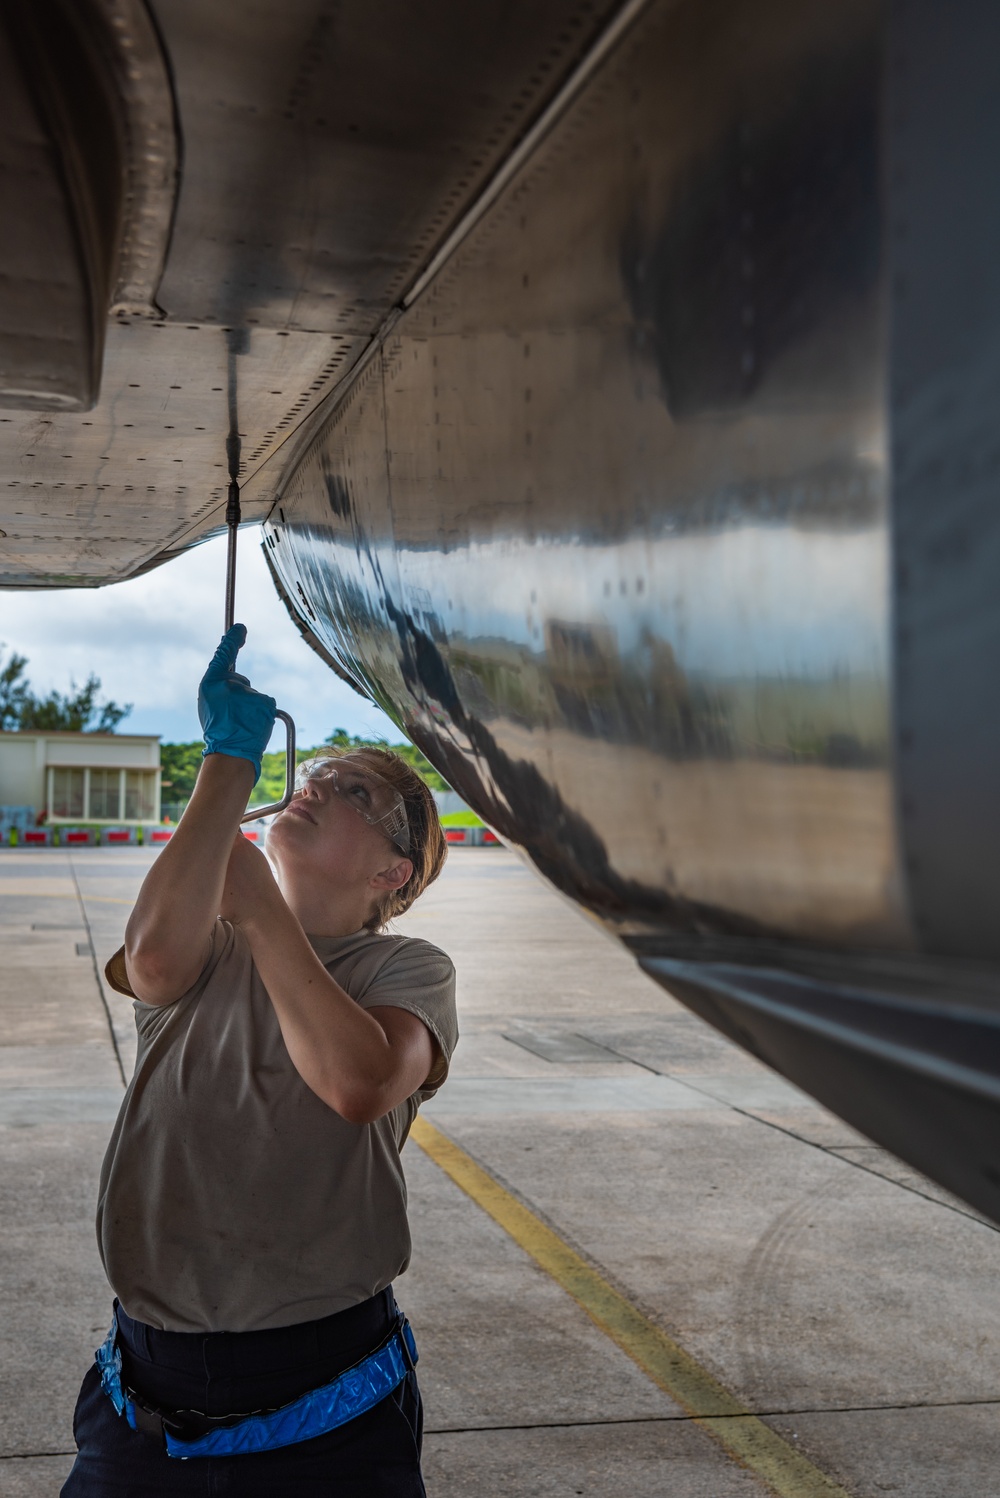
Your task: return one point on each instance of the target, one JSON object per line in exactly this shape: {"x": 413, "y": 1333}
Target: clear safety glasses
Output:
{"x": 373, "y": 798}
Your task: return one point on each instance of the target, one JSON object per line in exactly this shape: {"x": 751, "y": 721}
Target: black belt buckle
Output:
{"x": 183, "y": 1425}
{"x": 146, "y": 1422}
{"x": 402, "y": 1327}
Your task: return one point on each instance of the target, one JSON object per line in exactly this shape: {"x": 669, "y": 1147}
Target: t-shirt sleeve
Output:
{"x": 116, "y": 971}
{"x": 420, "y": 978}
{"x": 117, "y": 974}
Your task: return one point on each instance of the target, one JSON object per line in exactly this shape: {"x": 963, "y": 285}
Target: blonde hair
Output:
{"x": 428, "y": 845}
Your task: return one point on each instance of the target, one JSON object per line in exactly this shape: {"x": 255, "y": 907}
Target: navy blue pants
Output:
{"x": 220, "y": 1373}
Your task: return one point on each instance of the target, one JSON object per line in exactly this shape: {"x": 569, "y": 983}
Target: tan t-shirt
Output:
{"x": 231, "y": 1197}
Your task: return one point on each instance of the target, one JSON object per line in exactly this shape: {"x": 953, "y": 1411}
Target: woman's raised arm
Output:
{"x": 169, "y": 932}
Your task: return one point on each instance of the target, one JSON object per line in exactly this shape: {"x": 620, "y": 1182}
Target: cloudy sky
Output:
{"x": 149, "y": 642}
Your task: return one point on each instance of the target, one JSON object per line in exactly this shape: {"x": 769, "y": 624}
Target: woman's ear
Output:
{"x": 394, "y": 877}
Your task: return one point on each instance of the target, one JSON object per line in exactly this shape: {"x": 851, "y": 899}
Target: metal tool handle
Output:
{"x": 233, "y": 517}
{"x": 268, "y": 811}
{"x": 236, "y": 341}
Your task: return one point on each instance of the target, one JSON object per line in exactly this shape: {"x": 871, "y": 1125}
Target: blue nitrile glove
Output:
{"x": 235, "y": 719}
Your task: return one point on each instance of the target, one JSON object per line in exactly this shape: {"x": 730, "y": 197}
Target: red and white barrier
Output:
{"x": 34, "y": 837}
{"x": 117, "y": 837}
{"x": 471, "y": 837}
{"x": 156, "y": 835}
{"x": 76, "y": 837}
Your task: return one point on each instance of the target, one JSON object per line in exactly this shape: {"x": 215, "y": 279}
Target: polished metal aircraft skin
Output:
{"x": 641, "y": 465}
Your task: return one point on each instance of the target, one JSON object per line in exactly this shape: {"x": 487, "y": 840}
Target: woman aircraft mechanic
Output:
{"x": 252, "y": 1210}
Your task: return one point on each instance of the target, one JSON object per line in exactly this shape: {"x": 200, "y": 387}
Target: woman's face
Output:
{"x": 323, "y": 832}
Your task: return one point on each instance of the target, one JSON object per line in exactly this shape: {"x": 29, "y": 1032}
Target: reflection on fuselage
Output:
{"x": 604, "y": 522}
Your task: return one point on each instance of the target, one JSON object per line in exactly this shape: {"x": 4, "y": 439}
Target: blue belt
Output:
{"x": 314, "y": 1414}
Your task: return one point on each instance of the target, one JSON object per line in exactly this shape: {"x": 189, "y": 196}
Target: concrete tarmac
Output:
{"x": 831, "y": 1290}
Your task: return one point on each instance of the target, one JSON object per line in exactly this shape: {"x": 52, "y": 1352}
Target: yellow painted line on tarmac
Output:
{"x": 742, "y": 1435}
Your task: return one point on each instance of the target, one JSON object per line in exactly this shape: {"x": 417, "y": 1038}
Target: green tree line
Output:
{"x": 80, "y": 710}
{"x": 179, "y": 766}
{"x": 77, "y": 711}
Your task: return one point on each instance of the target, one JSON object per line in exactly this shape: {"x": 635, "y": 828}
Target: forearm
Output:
{"x": 342, "y": 1053}
{"x": 168, "y": 932}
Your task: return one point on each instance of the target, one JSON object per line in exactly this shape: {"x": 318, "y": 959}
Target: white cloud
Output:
{"x": 150, "y": 639}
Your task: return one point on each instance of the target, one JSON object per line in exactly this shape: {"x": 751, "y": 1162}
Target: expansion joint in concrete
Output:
{"x": 769, "y": 1123}
{"x": 681, "y": 1418}
{"x": 97, "y": 975}
{"x": 30, "y": 1456}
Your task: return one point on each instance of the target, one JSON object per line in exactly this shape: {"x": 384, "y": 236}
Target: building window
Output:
{"x": 104, "y": 788}
{"x": 98, "y": 793}
{"x": 67, "y": 793}
{"x": 140, "y": 796}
